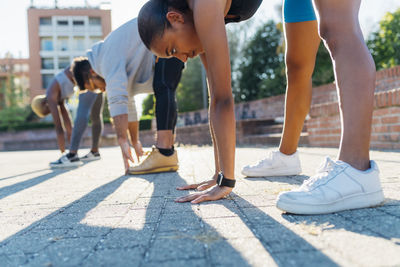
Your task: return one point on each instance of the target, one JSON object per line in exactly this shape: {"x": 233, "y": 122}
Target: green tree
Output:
{"x": 323, "y": 71}
{"x": 12, "y": 117}
{"x": 262, "y": 71}
{"x": 148, "y": 106}
{"x": 12, "y": 99}
{"x": 384, "y": 43}
{"x": 106, "y": 111}
{"x": 3, "y": 90}
{"x": 189, "y": 93}
{"x": 238, "y": 34}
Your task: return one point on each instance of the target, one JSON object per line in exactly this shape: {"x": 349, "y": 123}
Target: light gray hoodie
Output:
{"x": 126, "y": 65}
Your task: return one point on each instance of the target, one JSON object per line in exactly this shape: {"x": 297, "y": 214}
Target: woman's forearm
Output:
{"x": 58, "y": 125}
{"x": 133, "y": 128}
{"x": 66, "y": 121}
{"x": 222, "y": 118}
{"x": 209, "y": 20}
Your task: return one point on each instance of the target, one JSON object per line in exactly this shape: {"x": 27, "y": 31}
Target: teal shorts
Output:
{"x": 298, "y": 11}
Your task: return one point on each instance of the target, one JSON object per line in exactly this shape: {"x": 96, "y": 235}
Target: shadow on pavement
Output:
{"x": 296, "y": 179}
{"x": 14, "y": 188}
{"x": 171, "y": 233}
{"x": 285, "y": 247}
{"x": 97, "y": 230}
{"x": 22, "y": 174}
{"x": 382, "y": 221}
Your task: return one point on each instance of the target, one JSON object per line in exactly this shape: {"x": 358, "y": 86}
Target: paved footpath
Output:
{"x": 96, "y": 216}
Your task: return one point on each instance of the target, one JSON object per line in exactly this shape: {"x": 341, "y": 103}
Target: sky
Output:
{"x": 14, "y": 29}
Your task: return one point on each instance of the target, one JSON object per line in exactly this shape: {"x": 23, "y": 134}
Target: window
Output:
{"x": 47, "y": 63}
{"x": 25, "y": 67}
{"x": 94, "y": 21}
{"x": 79, "y": 43}
{"x": 78, "y": 23}
{"x": 46, "y": 80}
{"x": 63, "y": 62}
{"x": 45, "y": 21}
{"x": 46, "y": 44}
{"x": 17, "y": 68}
{"x": 62, "y": 22}
{"x": 62, "y": 43}
{"x": 95, "y": 39}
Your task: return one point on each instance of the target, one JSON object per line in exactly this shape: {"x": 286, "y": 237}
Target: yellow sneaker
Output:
{"x": 156, "y": 162}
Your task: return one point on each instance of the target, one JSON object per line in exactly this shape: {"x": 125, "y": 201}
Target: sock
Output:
{"x": 166, "y": 151}
{"x": 71, "y": 155}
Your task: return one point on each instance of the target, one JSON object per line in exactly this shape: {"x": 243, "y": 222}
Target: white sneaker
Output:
{"x": 65, "y": 162}
{"x": 276, "y": 164}
{"x": 91, "y": 156}
{"x": 336, "y": 187}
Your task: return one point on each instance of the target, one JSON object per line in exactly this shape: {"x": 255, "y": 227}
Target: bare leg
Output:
{"x": 165, "y": 139}
{"x": 302, "y": 43}
{"x": 355, "y": 76}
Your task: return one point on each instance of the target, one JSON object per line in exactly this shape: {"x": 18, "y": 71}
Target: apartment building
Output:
{"x": 57, "y": 35}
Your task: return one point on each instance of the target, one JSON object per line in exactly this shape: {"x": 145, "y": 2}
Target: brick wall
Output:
{"x": 200, "y": 134}
{"x": 324, "y": 94}
{"x": 388, "y": 79}
{"x": 266, "y": 108}
{"x": 323, "y": 127}
{"x": 47, "y": 139}
{"x": 324, "y": 124}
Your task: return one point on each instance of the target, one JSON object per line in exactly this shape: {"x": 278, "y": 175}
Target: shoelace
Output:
{"x": 325, "y": 171}
{"x": 267, "y": 160}
{"x": 145, "y": 155}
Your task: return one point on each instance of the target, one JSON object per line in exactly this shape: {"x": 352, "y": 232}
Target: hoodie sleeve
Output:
{"x": 116, "y": 87}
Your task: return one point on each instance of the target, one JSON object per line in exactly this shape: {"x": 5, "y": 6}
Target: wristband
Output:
{"x": 223, "y": 181}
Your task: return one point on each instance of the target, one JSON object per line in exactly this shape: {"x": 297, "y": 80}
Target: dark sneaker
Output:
{"x": 91, "y": 156}
{"x": 65, "y": 162}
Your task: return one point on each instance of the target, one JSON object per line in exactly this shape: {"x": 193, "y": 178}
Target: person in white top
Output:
{"x": 60, "y": 89}
{"x": 122, "y": 66}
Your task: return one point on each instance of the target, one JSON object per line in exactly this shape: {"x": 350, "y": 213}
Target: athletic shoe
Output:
{"x": 91, "y": 156}
{"x": 65, "y": 162}
{"x": 336, "y": 187}
{"x": 276, "y": 164}
{"x": 156, "y": 162}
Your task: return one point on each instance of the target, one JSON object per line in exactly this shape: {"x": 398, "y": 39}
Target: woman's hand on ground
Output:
{"x": 138, "y": 150}
{"x": 200, "y": 186}
{"x": 214, "y": 194}
{"x": 126, "y": 153}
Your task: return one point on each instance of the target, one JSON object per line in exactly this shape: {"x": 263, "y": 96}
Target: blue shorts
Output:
{"x": 298, "y": 11}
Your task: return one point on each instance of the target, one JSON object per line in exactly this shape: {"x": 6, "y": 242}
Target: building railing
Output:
{"x": 71, "y": 4}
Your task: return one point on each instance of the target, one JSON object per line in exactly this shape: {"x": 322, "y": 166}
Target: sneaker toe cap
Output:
{"x": 287, "y": 196}
{"x": 295, "y": 196}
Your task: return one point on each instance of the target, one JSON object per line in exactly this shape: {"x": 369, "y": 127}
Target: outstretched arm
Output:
{"x": 210, "y": 183}
{"x": 66, "y": 120}
{"x": 121, "y": 129}
{"x": 133, "y": 127}
{"x": 53, "y": 95}
{"x": 210, "y": 27}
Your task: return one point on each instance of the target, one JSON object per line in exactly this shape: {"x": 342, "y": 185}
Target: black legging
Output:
{"x": 167, "y": 75}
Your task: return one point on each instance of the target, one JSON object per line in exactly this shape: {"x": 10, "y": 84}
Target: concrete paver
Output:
{"x": 96, "y": 216}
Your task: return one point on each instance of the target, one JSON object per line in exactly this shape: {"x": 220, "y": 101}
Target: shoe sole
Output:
{"x": 65, "y": 166}
{"x": 353, "y": 202}
{"x": 89, "y": 159}
{"x": 286, "y": 172}
{"x": 156, "y": 170}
